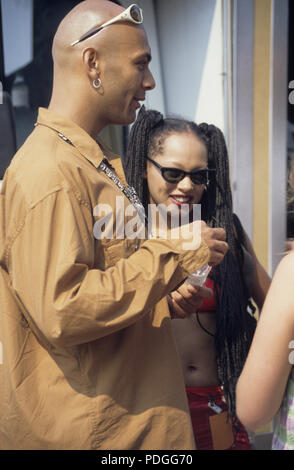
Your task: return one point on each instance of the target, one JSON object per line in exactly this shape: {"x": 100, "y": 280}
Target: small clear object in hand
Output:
{"x": 199, "y": 277}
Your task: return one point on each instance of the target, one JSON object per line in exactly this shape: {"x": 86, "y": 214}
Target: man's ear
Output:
{"x": 91, "y": 62}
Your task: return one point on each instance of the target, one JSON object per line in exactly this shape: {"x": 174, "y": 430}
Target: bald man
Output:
{"x": 88, "y": 358}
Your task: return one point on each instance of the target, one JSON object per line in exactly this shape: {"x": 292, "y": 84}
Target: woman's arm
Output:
{"x": 262, "y": 383}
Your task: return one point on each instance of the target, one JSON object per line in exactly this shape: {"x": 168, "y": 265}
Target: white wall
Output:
{"x": 210, "y": 106}
{"x": 186, "y": 40}
{"x": 190, "y": 42}
{"x": 242, "y": 148}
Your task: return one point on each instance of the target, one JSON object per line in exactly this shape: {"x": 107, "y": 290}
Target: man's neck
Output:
{"x": 79, "y": 115}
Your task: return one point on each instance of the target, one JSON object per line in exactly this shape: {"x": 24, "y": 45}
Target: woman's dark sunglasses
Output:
{"x": 175, "y": 175}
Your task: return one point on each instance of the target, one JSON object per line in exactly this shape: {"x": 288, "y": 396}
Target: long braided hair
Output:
{"x": 234, "y": 324}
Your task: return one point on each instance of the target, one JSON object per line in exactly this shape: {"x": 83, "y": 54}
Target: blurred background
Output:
{"x": 226, "y": 62}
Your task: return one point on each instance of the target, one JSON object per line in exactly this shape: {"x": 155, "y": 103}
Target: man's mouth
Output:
{"x": 137, "y": 99}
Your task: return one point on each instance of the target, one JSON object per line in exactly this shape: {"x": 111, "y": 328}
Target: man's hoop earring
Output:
{"x": 96, "y": 83}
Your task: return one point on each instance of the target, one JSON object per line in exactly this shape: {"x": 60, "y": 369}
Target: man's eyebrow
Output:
{"x": 146, "y": 55}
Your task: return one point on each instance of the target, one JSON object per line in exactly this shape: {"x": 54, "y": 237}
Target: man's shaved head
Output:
{"x": 80, "y": 19}
{"x": 101, "y": 80}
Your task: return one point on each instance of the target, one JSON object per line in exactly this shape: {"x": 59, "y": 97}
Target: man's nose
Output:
{"x": 149, "y": 82}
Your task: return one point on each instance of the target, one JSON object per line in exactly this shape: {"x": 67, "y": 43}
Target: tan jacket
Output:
{"x": 89, "y": 360}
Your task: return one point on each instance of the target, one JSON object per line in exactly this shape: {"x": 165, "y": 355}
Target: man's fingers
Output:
{"x": 217, "y": 245}
{"x": 201, "y": 291}
{"x": 221, "y": 247}
{"x": 184, "y": 302}
{"x": 216, "y": 257}
{"x": 189, "y": 298}
{"x": 188, "y": 306}
{"x": 218, "y": 249}
{"x": 176, "y": 310}
{"x": 218, "y": 233}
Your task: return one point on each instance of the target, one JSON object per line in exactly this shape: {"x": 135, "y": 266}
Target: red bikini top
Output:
{"x": 209, "y": 304}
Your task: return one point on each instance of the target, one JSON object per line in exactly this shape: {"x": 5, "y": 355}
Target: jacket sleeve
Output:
{"x": 64, "y": 297}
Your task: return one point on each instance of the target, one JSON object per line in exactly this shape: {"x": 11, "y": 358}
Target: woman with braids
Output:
{"x": 169, "y": 162}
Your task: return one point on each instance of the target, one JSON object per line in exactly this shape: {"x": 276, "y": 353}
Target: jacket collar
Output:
{"x": 84, "y": 143}
{"x": 93, "y": 150}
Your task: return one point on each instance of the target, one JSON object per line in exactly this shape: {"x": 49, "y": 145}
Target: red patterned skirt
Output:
{"x": 213, "y": 429}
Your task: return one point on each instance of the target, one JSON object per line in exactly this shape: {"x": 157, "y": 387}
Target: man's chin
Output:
{"x": 123, "y": 118}
{"x": 127, "y": 120}
{"x": 132, "y": 116}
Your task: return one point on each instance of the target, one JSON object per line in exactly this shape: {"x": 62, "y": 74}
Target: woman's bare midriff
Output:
{"x": 197, "y": 350}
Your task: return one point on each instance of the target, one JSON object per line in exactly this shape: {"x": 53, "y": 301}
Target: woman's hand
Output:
{"x": 187, "y": 299}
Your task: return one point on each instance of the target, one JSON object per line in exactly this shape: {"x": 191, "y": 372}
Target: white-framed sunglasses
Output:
{"x": 133, "y": 13}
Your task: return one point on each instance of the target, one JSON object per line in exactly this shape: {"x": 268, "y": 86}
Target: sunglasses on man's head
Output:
{"x": 133, "y": 13}
{"x": 175, "y": 175}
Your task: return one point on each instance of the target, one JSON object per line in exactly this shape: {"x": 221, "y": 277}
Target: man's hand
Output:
{"x": 190, "y": 236}
{"x": 215, "y": 240}
{"x": 187, "y": 299}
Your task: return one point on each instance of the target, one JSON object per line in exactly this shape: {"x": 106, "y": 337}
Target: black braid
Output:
{"x": 137, "y": 150}
{"x": 234, "y": 325}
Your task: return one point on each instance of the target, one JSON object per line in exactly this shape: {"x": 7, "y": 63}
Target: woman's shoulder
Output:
{"x": 285, "y": 266}
{"x": 281, "y": 293}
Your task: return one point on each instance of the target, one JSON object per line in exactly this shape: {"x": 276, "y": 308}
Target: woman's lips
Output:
{"x": 181, "y": 200}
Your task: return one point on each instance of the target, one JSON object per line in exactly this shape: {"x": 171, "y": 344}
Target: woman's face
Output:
{"x": 186, "y": 152}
